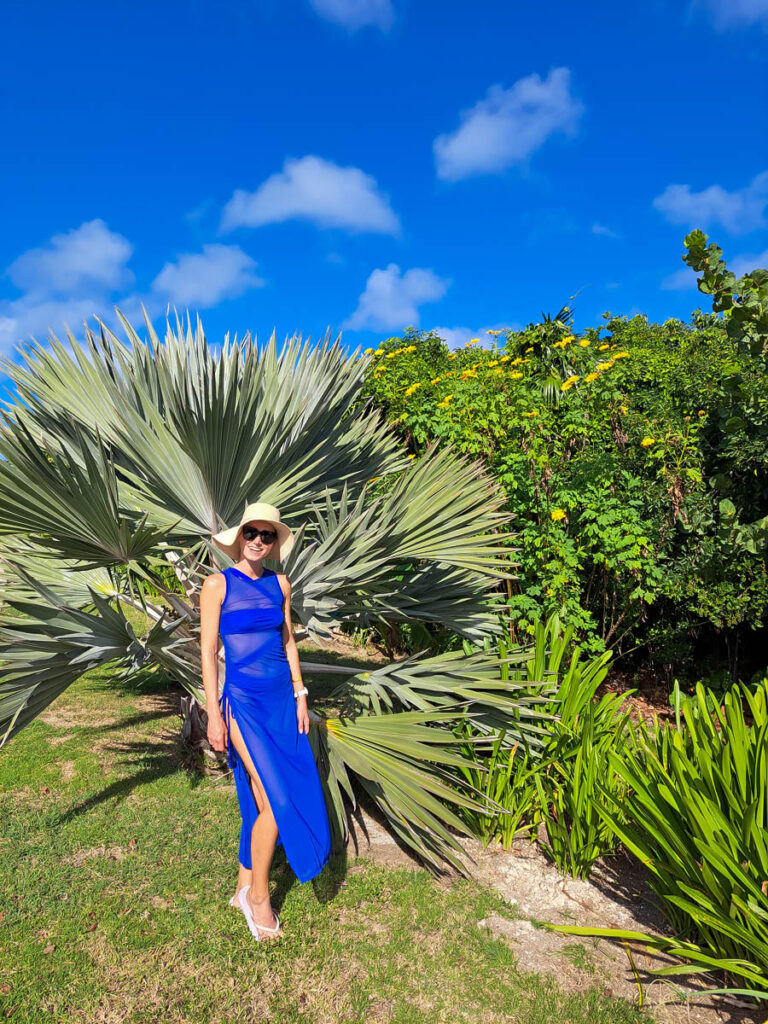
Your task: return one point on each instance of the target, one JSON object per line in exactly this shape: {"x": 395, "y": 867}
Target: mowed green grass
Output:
{"x": 117, "y": 859}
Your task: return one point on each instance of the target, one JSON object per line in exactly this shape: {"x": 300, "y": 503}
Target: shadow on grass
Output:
{"x": 158, "y": 761}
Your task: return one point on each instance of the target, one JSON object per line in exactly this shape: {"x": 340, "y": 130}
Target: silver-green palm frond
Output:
{"x": 46, "y": 645}
{"x": 400, "y": 760}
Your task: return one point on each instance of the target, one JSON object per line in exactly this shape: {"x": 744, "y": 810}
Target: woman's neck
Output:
{"x": 253, "y": 569}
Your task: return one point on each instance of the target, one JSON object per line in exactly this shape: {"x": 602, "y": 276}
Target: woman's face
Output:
{"x": 256, "y": 548}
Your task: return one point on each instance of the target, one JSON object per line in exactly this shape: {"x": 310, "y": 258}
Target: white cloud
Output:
{"x": 736, "y": 13}
{"x": 316, "y": 190}
{"x": 601, "y": 229}
{"x": 508, "y": 126}
{"x": 355, "y": 14}
{"x": 391, "y": 299}
{"x": 738, "y": 212}
{"x": 64, "y": 282}
{"x": 87, "y": 257}
{"x": 203, "y": 279}
{"x": 457, "y": 337}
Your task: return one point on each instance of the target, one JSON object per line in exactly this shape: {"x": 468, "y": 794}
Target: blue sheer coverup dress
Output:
{"x": 258, "y": 695}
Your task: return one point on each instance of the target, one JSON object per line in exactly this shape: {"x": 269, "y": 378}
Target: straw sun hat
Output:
{"x": 227, "y": 540}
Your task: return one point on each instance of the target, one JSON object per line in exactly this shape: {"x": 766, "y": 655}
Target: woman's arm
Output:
{"x": 292, "y": 654}
{"x": 211, "y": 598}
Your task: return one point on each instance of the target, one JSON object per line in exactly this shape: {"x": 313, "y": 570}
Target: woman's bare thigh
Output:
{"x": 236, "y": 739}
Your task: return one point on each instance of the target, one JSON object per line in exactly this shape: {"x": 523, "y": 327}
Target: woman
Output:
{"x": 261, "y": 717}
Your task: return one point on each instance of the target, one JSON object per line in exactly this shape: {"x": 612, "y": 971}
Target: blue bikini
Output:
{"x": 258, "y": 695}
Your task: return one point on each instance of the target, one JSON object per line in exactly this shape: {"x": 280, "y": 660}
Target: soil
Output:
{"x": 616, "y": 896}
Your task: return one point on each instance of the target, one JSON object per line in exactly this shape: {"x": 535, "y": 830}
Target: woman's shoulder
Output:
{"x": 284, "y": 582}
{"x": 215, "y": 584}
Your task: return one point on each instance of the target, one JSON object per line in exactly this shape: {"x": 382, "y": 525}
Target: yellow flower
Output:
{"x": 559, "y": 344}
{"x": 533, "y": 412}
{"x": 498, "y": 370}
{"x": 493, "y": 362}
{"x": 529, "y": 349}
{"x": 505, "y": 359}
{"x": 605, "y": 366}
{"x": 585, "y": 343}
{"x": 445, "y": 402}
{"x": 411, "y": 348}
{"x": 453, "y": 356}
{"x": 472, "y": 341}
{"x": 411, "y": 456}
{"x": 412, "y": 388}
{"x": 569, "y": 383}
{"x": 701, "y": 412}
{"x": 604, "y": 347}
{"x": 569, "y": 338}
{"x": 621, "y": 355}
{"x": 591, "y": 376}
{"x": 648, "y": 441}
{"x": 391, "y": 355}
{"x": 515, "y": 375}
{"x": 435, "y": 380}
{"x": 467, "y": 374}
{"x": 368, "y": 351}
{"x": 515, "y": 362}
{"x": 557, "y": 514}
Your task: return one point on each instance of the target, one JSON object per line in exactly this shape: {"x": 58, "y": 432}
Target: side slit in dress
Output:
{"x": 258, "y": 695}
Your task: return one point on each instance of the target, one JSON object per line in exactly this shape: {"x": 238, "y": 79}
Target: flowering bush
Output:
{"x": 630, "y": 453}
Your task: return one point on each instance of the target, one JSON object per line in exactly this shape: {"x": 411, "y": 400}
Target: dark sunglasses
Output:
{"x": 267, "y": 536}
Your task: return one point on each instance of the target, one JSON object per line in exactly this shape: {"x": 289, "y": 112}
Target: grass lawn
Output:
{"x": 116, "y": 863}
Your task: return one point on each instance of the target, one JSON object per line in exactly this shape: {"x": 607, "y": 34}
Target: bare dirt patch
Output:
{"x": 107, "y": 852}
{"x": 617, "y": 896}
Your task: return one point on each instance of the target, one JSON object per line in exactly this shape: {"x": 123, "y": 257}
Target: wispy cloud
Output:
{"x": 745, "y": 264}
{"x": 203, "y": 279}
{"x": 601, "y": 229}
{"x": 683, "y": 280}
{"x": 508, "y": 126}
{"x": 318, "y": 191}
{"x": 731, "y": 14}
{"x": 738, "y": 212}
{"x": 356, "y": 14}
{"x": 391, "y": 299}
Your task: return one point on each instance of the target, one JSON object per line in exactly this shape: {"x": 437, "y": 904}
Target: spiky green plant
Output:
{"x": 697, "y": 817}
{"x": 120, "y": 458}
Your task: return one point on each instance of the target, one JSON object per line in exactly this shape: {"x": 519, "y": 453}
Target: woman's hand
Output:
{"x": 302, "y": 714}
{"x": 217, "y": 731}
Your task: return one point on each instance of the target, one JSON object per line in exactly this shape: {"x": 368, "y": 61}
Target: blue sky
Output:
{"x": 368, "y": 164}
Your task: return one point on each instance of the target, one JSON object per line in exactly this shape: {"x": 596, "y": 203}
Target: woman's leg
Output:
{"x": 263, "y": 836}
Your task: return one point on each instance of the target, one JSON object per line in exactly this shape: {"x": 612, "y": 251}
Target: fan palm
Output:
{"x": 120, "y": 458}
